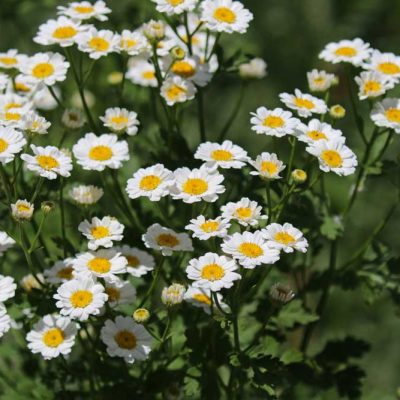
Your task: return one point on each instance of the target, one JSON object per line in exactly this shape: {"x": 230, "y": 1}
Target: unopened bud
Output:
{"x": 154, "y": 30}
{"x": 280, "y": 293}
{"x": 141, "y": 315}
{"x": 337, "y": 111}
{"x": 22, "y": 210}
{"x": 47, "y": 206}
{"x": 115, "y": 78}
{"x": 299, "y": 175}
{"x": 173, "y": 294}
{"x": 177, "y": 53}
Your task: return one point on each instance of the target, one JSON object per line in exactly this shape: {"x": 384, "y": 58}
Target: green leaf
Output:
{"x": 294, "y": 313}
{"x": 291, "y": 356}
{"x": 332, "y": 227}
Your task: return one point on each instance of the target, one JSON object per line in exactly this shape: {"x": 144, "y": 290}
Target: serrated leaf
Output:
{"x": 294, "y": 313}
{"x": 291, "y": 356}
{"x": 332, "y": 227}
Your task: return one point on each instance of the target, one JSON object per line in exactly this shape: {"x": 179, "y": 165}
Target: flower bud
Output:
{"x": 29, "y": 282}
{"x": 177, "y": 53}
{"x": 22, "y": 210}
{"x": 255, "y": 69}
{"x": 173, "y": 294}
{"x": 73, "y": 118}
{"x": 280, "y": 293}
{"x": 154, "y": 30}
{"x": 115, "y": 77}
{"x": 337, "y": 111}
{"x": 141, "y": 315}
{"x": 47, "y": 206}
{"x": 299, "y": 176}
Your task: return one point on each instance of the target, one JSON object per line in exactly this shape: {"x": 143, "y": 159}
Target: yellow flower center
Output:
{"x": 175, "y": 3}
{"x": 183, "y": 69}
{"x": 133, "y": 261}
{"x": 47, "y": 162}
{"x": 269, "y": 167}
{"x": 42, "y": 70}
{"x": 284, "y": 238}
{"x": 100, "y": 232}
{"x": 244, "y": 212}
{"x": 149, "y": 182}
{"x": 125, "y": 340}
{"x": 372, "y": 87}
{"x": 119, "y": 119}
{"x": 84, "y": 9}
{"x": 113, "y": 294}
{"x": 8, "y": 106}
{"x": 64, "y": 32}
{"x": 23, "y": 208}
{"x": 195, "y": 186}
{"x": 212, "y": 272}
{"x": 332, "y": 158}
{"x": 21, "y": 87}
{"x": 81, "y": 298}
{"x": 273, "y": 122}
{"x": 148, "y": 75}
{"x": 209, "y": 226}
{"x": 393, "y": 115}
{"x": 174, "y": 92}
{"x": 8, "y": 60}
{"x": 167, "y": 240}
{"x": 3, "y": 145}
{"x": 389, "y": 68}
{"x": 128, "y": 43}
{"x": 221, "y": 155}
{"x": 100, "y": 153}
{"x": 65, "y": 273}
{"x": 304, "y": 103}
{"x": 251, "y": 250}
{"x": 346, "y": 51}
{"x": 99, "y": 44}
{"x": 202, "y": 298}
{"x": 12, "y": 116}
{"x": 53, "y": 337}
{"x": 224, "y": 14}
{"x": 316, "y": 135}
{"x": 319, "y": 81}
{"x": 99, "y": 265}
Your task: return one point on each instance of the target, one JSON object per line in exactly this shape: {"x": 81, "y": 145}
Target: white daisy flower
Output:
{"x": 267, "y": 166}
{"x": 304, "y": 104}
{"x": 10, "y": 101}
{"x": 119, "y": 292}
{"x": 22, "y": 210}
{"x": 98, "y": 152}
{"x": 52, "y": 336}
{"x": 315, "y": 130}
{"x": 5, "y": 321}
{"x": 121, "y": 120}
{"x": 352, "y": 51}
{"x": 62, "y": 31}
{"x": 83, "y": 10}
{"x": 48, "y": 162}
{"x": 285, "y": 238}
{"x": 205, "y": 229}
{"x": 133, "y": 43}
{"x": 225, "y": 155}
{"x": 5, "y": 242}
{"x": 11, "y": 59}
{"x": 200, "y": 297}
{"x": 225, "y": 16}
{"x": 101, "y": 232}
{"x": 139, "y": 262}
{"x": 387, "y": 64}
{"x": 173, "y": 295}
{"x": 166, "y": 240}
{"x": 254, "y": 69}
{"x": 153, "y": 182}
{"x": 12, "y": 117}
{"x": 73, "y": 118}
{"x": 104, "y": 263}
{"x": 154, "y": 30}
{"x": 320, "y": 81}
{"x": 174, "y": 7}
{"x": 47, "y": 68}
{"x": 335, "y": 156}
{"x": 245, "y": 212}
{"x": 196, "y": 185}
{"x": 250, "y": 249}
{"x": 373, "y": 84}
{"x": 189, "y": 68}
{"x": 86, "y": 195}
{"x": 177, "y": 90}
{"x": 127, "y": 339}
{"x": 24, "y": 84}
{"x": 142, "y": 72}
{"x": 386, "y": 113}
{"x": 7, "y": 288}
{"x": 277, "y": 122}
{"x": 33, "y": 123}
{"x": 11, "y": 143}
{"x": 97, "y": 43}
{"x": 80, "y": 298}
{"x": 212, "y": 272}
{"x": 62, "y": 271}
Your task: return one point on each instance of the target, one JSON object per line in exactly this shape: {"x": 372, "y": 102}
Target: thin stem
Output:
{"x": 37, "y": 189}
{"x": 200, "y": 115}
{"x": 53, "y": 94}
{"x": 269, "y": 202}
{"x": 35, "y": 239}
{"x": 153, "y": 283}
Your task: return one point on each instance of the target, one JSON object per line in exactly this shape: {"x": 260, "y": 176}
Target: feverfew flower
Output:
{"x": 267, "y": 166}
{"x": 98, "y": 152}
{"x": 200, "y": 297}
{"x": 197, "y": 185}
{"x": 35, "y": 124}
{"x": 5, "y": 242}
{"x": 387, "y": 64}
{"x": 22, "y": 210}
{"x": 225, "y": 16}
{"x": 352, "y": 51}
{"x": 86, "y": 195}
{"x": 250, "y": 249}
{"x": 73, "y": 118}
{"x": 142, "y": 72}
{"x": 304, "y": 104}
{"x": 285, "y": 238}
{"x": 80, "y": 298}
{"x": 277, "y": 122}
{"x": 190, "y": 68}
{"x": 119, "y": 292}
{"x": 225, "y": 155}
{"x": 175, "y": 7}
{"x": 62, "y": 271}
{"x": 205, "y": 229}
{"x": 152, "y": 182}
{"x": 11, "y": 143}
{"x": 139, "y": 262}
{"x": 254, "y": 69}
{"x": 166, "y": 240}
{"x": 5, "y": 321}
{"x": 48, "y": 162}
{"x": 47, "y": 68}
{"x": 335, "y": 156}
{"x": 212, "y": 272}
{"x": 11, "y": 59}
{"x": 52, "y": 336}
{"x": 30, "y": 282}
{"x": 320, "y": 81}
{"x": 7, "y": 288}
{"x": 101, "y": 232}
{"x": 386, "y": 113}
{"x": 173, "y": 295}
{"x": 101, "y": 263}
{"x": 177, "y": 90}
{"x": 316, "y": 130}
{"x": 127, "y": 339}
{"x": 373, "y": 84}
{"x": 97, "y": 43}
{"x": 120, "y": 120}
{"x": 133, "y": 43}
{"x": 84, "y": 10}
{"x": 245, "y": 212}
{"x": 154, "y": 31}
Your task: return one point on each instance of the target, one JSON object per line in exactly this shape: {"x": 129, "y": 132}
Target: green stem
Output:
{"x": 153, "y": 283}
{"x": 53, "y": 94}
{"x": 200, "y": 115}
{"x": 269, "y": 202}
{"x": 35, "y": 239}
{"x": 37, "y": 189}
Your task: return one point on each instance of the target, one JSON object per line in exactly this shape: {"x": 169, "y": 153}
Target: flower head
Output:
{"x": 386, "y": 113}
{"x": 62, "y": 271}
{"x": 254, "y": 69}
{"x": 352, "y": 51}
{"x": 84, "y": 10}
{"x": 275, "y": 122}
{"x": 304, "y": 104}
{"x": 7, "y": 288}
{"x": 246, "y": 212}
{"x": 267, "y": 166}
{"x": 205, "y": 229}
{"x": 86, "y": 195}
{"x": 119, "y": 292}
{"x": 177, "y": 90}
{"x": 373, "y": 84}
{"x": 320, "y": 81}
{"x": 22, "y": 210}
{"x": 173, "y": 295}
{"x": 11, "y": 143}
{"x": 121, "y": 120}
{"x": 97, "y": 43}
{"x": 285, "y": 238}
{"x": 139, "y": 262}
